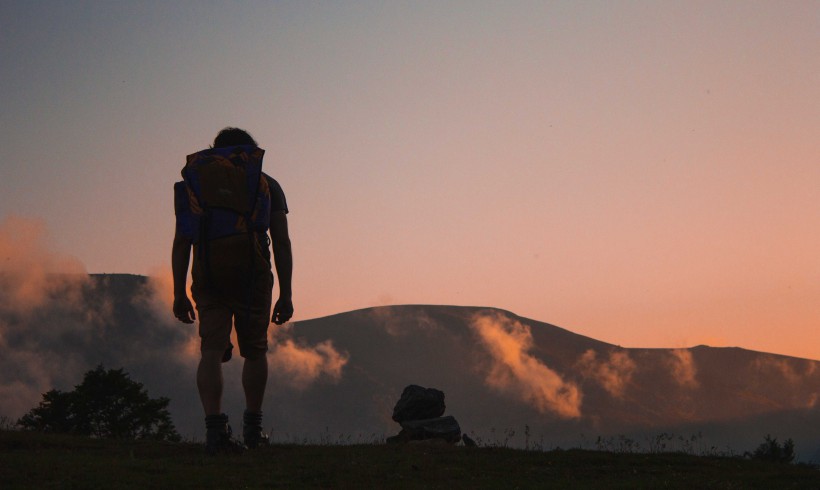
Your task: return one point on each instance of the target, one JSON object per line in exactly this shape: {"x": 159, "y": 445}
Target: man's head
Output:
{"x": 233, "y": 137}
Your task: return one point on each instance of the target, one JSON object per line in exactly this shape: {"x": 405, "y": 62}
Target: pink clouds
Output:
{"x": 514, "y": 370}
{"x": 613, "y": 374}
{"x": 299, "y": 364}
{"x": 29, "y": 270}
{"x": 683, "y": 368}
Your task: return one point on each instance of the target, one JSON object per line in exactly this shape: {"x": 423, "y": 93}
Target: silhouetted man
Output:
{"x": 224, "y": 189}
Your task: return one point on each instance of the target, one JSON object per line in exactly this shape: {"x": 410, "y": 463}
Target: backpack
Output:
{"x": 223, "y": 206}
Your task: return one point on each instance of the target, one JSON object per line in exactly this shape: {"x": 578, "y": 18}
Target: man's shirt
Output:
{"x": 277, "y": 196}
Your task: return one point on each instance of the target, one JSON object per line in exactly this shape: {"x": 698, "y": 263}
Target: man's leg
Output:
{"x": 252, "y": 336}
{"x": 209, "y": 381}
{"x": 215, "y": 323}
{"x": 215, "y": 330}
{"x": 254, "y": 380}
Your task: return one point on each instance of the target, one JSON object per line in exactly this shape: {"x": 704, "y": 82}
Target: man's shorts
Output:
{"x": 249, "y": 313}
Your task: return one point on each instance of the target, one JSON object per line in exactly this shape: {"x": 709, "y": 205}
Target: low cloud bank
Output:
{"x": 57, "y": 322}
{"x": 514, "y": 370}
{"x": 33, "y": 277}
{"x": 81, "y": 325}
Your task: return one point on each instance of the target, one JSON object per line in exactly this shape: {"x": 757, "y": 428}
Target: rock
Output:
{"x": 445, "y": 428}
{"x": 419, "y": 411}
{"x": 418, "y": 403}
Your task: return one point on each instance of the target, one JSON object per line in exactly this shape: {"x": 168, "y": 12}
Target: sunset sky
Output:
{"x": 644, "y": 173}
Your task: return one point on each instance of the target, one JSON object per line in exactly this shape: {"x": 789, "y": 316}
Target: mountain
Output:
{"x": 507, "y": 379}
{"x": 732, "y": 397}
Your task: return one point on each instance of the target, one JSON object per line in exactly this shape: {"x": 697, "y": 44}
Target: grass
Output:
{"x": 34, "y": 460}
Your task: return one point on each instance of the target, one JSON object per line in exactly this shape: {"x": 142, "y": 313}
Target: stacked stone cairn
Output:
{"x": 420, "y": 412}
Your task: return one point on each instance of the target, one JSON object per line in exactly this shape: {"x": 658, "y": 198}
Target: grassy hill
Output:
{"x": 32, "y": 460}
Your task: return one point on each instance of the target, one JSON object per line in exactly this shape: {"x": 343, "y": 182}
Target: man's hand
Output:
{"x": 282, "y": 311}
{"x": 184, "y": 310}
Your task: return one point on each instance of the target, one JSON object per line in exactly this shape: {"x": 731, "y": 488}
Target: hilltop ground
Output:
{"x": 32, "y": 460}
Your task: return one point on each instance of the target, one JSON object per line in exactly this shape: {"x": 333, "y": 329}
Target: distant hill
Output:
{"x": 506, "y": 378}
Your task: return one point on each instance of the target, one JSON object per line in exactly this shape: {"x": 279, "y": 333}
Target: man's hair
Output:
{"x": 233, "y": 137}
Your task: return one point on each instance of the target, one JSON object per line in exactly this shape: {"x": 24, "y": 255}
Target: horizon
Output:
{"x": 162, "y": 288}
{"x": 641, "y": 173}
{"x": 497, "y": 370}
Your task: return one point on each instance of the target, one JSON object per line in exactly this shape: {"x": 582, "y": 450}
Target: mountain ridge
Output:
{"x": 343, "y": 373}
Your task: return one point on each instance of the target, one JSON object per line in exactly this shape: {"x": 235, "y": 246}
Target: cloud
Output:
{"x": 159, "y": 292}
{"x": 81, "y": 325}
{"x": 792, "y": 371}
{"x": 683, "y": 368}
{"x": 29, "y": 272}
{"x": 298, "y": 364}
{"x": 397, "y": 324}
{"x": 57, "y": 322}
{"x": 514, "y": 370}
{"x": 157, "y": 296}
{"x": 41, "y": 305}
{"x": 613, "y": 374}
{"x": 795, "y": 372}
{"x": 24, "y": 379}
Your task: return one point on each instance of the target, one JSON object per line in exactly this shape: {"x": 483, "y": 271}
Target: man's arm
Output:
{"x": 180, "y": 259}
{"x": 283, "y": 260}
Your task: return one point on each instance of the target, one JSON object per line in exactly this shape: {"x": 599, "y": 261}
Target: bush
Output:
{"x": 106, "y": 404}
{"x": 771, "y": 450}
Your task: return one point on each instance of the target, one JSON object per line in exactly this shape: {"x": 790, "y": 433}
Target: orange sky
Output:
{"x": 642, "y": 173}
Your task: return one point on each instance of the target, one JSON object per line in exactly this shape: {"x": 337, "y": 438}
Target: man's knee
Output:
{"x": 211, "y": 355}
{"x": 253, "y": 352}
{"x": 253, "y": 343}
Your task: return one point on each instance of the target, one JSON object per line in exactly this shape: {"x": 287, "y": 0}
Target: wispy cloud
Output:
{"x": 514, "y": 370}
{"x": 398, "y": 324}
{"x": 613, "y": 374}
{"x": 29, "y": 270}
{"x": 298, "y": 364}
{"x": 683, "y": 368}
{"x": 790, "y": 370}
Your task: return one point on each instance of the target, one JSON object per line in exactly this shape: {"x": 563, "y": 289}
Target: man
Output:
{"x": 245, "y": 302}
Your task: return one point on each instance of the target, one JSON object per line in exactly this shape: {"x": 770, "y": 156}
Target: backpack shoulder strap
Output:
{"x": 187, "y": 221}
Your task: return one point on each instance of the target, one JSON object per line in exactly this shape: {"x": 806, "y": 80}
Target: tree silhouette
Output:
{"x": 106, "y": 404}
{"x": 771, "y": 450}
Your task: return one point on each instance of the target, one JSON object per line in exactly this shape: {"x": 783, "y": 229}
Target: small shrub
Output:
{"x": 771, "y": 450}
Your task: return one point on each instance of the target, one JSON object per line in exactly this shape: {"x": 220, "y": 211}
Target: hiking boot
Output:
{"x": 219, "y": 436}
{"x": 252, "y": 431}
